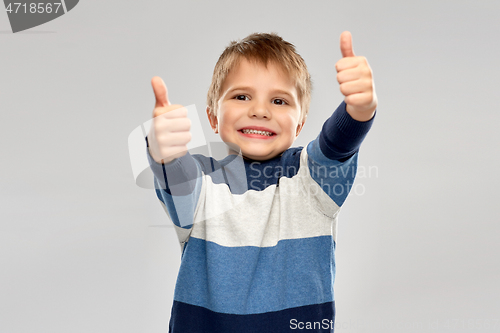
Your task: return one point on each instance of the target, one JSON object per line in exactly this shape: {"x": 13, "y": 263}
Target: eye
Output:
{"x": 279, "y": 101}
{"x": 241, "y": 97}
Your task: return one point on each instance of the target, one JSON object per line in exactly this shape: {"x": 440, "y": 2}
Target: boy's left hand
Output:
{"x": 356, "y": 81}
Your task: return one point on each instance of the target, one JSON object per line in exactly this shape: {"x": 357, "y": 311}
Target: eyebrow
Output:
{"x": 240, "y": 88}
{"x": 283, "y": 92}
{"x": 275, "y": 91}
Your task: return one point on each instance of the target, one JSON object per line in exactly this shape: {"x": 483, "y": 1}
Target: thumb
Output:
{"x": 160, "y": 91}
{"x": 346, "y": 44}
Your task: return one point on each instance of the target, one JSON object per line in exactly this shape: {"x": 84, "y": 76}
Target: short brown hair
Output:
{"x": 263, "y": 48}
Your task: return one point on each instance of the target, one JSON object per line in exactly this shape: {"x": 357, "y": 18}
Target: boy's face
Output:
{"x": 258, "y": 111}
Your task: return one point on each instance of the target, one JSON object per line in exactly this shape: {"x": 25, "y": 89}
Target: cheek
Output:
{"x": 225, "y": 130}
{"x": 290, "y": 122}
{"x": 228, "y": 119}
{"x": 224, "y": 116}
{"x": 223, "y": 125}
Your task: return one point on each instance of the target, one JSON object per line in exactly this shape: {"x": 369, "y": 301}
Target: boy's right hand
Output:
{"x": 170, "y": 131}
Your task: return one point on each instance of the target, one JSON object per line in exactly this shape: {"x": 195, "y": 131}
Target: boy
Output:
{"x": 258, "y": 233}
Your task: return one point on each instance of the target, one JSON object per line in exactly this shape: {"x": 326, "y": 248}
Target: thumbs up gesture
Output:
{"x": 170, "y": 131}
{"x": 356, "y": 81}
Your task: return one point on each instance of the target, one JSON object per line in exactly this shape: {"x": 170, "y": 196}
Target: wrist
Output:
{"x": 361, "y": 114}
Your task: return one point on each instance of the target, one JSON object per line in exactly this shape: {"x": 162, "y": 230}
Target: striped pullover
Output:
{"x": 258, "y": 238}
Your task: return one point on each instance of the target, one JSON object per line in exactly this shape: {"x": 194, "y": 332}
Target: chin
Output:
{"x": 259, "y": 156}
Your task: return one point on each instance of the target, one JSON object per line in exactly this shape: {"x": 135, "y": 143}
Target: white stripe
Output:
{"x": 297, "y": 208}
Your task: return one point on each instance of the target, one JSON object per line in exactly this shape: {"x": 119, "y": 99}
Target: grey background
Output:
{"x": 83, "y": 249}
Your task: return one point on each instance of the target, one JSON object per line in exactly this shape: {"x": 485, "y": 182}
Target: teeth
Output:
{"x": 251, "y": 131}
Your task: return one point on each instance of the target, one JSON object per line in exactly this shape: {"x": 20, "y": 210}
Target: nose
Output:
{"x": 259, "y": 110}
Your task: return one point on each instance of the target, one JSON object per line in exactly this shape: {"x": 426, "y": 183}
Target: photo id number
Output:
{"x": 33, "y": 8}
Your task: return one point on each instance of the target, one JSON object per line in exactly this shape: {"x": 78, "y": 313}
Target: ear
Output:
{"x": 213, "y": 120}
{"x": 299, "y": 128}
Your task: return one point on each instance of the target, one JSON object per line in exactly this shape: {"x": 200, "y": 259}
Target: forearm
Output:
{"x": 341, "y": 135}
{"x": 178, "y": 187}
{"x": 177, "y": 177}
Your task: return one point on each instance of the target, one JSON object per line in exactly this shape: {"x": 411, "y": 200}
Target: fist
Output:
{"x": 356, "y": 81}
{"x": 170, "y": 130}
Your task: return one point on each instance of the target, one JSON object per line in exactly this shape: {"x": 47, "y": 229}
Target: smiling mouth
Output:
{"x": 252, "y": 131}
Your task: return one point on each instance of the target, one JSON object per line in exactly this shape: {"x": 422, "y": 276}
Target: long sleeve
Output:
{"x": 178, "y": 186}
{"x": 333, "y": 154}
{"x": 341, "y": 135}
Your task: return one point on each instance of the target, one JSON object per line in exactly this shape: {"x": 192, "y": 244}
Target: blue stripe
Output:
{"x": 248, "y": 279}
{"x": 194, "y": 319}
{"x": 242, "y": 175}
{"x": 174, "y": 204}
{"x": 335, "y": 178}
